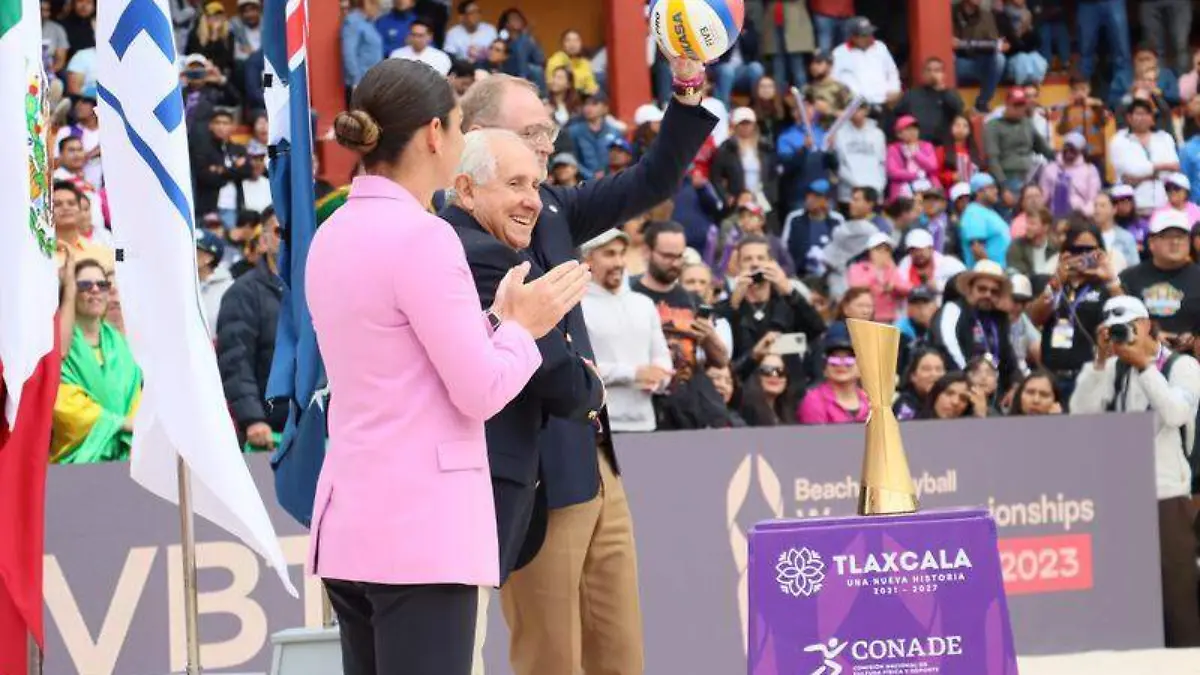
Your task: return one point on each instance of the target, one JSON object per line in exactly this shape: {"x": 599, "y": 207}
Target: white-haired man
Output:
{"x": 588, "y": 559}
{"x": 493, "y": 208}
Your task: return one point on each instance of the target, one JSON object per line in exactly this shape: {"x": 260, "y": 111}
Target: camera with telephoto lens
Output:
{"x": 1122, "y": 334}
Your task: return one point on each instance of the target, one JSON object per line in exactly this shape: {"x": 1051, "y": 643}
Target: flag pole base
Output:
{"x": 33, "y": 659}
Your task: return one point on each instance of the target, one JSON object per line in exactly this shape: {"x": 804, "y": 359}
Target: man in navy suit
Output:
{"x": 575, "y": 606}
{"x": 493, "y": 209}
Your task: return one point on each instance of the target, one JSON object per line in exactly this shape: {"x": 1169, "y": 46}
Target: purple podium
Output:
{"x": 885, "y": 595}
{"x": 890, "y": 592}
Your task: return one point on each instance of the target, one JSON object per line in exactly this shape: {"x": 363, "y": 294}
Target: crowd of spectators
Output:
{"x": 994, "y": 237}
{"x": 863, "y": 198}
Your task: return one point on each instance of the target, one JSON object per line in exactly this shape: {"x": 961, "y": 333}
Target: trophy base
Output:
{"x": 877, "y": 501}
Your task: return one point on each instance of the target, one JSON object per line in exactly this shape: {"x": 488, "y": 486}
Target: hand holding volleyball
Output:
{"x": 696, "y": 30}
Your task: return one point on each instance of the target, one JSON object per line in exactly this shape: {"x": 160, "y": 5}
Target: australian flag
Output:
{"x": 297, "y": 374}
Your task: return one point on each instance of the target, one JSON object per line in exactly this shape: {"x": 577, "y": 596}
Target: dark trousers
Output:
{"x": 1177, "y": 546}
{"x": 426, "y": 629}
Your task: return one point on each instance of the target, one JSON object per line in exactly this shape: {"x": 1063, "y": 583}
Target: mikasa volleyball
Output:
{"x": 701, "y": 30}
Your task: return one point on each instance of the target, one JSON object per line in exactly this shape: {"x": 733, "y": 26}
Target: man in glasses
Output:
{"x": 575, "y": 606}
{"x": 1167, "y": 281}
{"x": 976, "y": 323}
{"x": 1134, "y": 372}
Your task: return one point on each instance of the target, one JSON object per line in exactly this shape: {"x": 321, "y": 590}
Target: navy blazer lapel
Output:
{"x": 457, "y": 217}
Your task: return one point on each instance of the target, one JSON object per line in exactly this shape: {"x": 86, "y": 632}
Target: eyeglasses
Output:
{"x": 841, "y": 361}
{"x": 772, "y": 371}
{"x": 1082, "y": 250}
{"x": 544, "y": 133}
{"x": 84, "y": 286}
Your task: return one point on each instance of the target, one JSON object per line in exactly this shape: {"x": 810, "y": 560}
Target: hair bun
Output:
{"x": 356, "y": 130}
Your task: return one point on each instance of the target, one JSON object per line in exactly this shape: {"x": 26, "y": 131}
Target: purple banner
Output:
{"x": 889, "y": 595}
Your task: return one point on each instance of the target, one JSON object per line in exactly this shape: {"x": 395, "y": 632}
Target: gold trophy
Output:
{"x": 887, "y": 485}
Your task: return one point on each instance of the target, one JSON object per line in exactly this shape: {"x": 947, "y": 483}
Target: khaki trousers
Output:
{"x": 574, "y": 609}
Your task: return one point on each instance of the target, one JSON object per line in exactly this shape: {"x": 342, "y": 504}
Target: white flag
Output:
{"x": 28, "y": 276}
{"x": 144, "y": 143}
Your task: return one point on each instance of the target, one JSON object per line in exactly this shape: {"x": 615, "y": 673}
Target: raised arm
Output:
{"x": 599, "y": 205}
{"x": 436, "y": 292}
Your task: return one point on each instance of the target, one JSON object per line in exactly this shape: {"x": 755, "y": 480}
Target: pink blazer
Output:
{"x": 405, "y": 495}
{"x": 902, "y": 170}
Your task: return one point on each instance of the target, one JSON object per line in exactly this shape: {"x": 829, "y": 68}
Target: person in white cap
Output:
{"x": 246, "y": 28}
{"x": 1179, "y": 197}
{"x": 1071, "y": 183}
{"x": 627, "y": 336}
{"x": 975, "y": 324}
{"x": 876, "y": 271}
{"x": 1126, "y": 213}
{"x": 1168, "y": 281}
{"x": 745, "y": 162}
{"x": 925, "y": 265}
{"x": 1026, "y": 338}
{"x": 1132, "y": 372}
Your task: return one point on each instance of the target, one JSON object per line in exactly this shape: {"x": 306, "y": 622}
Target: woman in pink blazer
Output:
{"x": 403, "y": 530}
{"x": 909, "y": 158}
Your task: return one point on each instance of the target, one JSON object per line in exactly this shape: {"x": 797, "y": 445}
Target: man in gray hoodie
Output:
{"x": 1012, "y": 143}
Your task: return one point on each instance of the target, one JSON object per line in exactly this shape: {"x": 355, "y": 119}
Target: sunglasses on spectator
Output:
{"x": 772, "y": 371}
{"x": 846, "y": 361}
{"x": 1082, "y": 250}
{"x": 85, "y": 286}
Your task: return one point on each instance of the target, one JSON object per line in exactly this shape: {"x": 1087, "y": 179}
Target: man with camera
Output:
{"x": 1134, "y": 372}
{"x": 763, "y": 306}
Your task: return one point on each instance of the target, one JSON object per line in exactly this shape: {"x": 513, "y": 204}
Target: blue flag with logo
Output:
{"x": 297, "y": 374}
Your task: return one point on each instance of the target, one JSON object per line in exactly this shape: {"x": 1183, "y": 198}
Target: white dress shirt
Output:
{"x": 870, "y": 73}
{"x": 460, "y": 42}
{"x": 626, "y": 334}
{"x": 1130, "y": 158}
{"x": 432, "y": 56}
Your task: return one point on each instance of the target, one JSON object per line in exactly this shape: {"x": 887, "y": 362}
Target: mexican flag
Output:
{"x": 29, "y": 358}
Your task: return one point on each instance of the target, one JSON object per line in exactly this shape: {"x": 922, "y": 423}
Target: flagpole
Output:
{"x": 188, "y": 534}
{"x": 33, "y": 662}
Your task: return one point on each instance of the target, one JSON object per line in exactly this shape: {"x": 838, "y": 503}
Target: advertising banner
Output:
{"x": 1072, "y": 497}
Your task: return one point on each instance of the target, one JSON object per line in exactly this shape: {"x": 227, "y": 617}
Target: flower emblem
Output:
{"x": 800, "y": 572}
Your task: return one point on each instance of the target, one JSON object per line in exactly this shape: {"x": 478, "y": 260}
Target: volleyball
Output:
{"x": 701, "y": 30}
